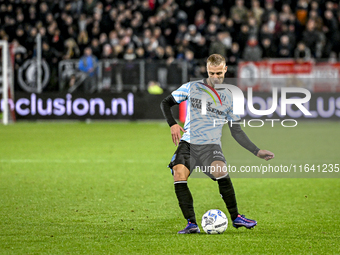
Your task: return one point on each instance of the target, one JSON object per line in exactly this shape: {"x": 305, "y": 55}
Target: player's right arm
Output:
{"x": 176, "y": 97}
{"x": 176, "y": 129}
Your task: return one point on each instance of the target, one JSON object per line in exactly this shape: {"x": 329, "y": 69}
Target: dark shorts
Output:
{"x": 193, "y": 155}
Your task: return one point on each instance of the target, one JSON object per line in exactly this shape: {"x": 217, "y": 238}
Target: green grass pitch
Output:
{"x": 104, "y": 188}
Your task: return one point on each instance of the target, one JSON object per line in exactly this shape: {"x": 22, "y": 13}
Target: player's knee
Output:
{"x": 179, "y": 176}
{"x": 220, "y": 175}
{"x": 180, "y": 173}
{"x": 218, "y": 169}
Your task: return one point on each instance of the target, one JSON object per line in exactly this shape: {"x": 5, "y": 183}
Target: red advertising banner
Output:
{"x": 264, "y": 75}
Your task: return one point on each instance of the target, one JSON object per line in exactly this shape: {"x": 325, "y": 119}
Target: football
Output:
{"x": 214, "y": 221}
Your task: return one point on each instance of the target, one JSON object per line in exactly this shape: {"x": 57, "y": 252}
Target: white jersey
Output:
{"x": 205, "y": 128}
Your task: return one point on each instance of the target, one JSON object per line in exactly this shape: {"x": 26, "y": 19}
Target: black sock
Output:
{"x": 228, "y": 194}
{"x": 185, "y": 201}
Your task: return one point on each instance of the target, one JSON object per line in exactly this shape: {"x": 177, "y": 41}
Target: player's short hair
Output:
{"x": 216, "y": 60}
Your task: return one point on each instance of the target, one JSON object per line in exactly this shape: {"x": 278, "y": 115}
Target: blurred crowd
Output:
{"x": 173, "y": 29}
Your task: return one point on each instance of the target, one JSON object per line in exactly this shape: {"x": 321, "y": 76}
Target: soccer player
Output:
{"x": 201, "y": 141}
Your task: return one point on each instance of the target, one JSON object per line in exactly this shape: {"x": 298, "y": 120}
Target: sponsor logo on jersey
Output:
{"x": 209, "y": 93}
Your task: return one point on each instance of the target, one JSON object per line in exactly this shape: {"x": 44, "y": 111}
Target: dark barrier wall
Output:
{"x": 131, "y": 106}
{"x": 135, "y": 106}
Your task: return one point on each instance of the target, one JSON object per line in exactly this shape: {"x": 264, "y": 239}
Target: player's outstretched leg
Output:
{"x": 228, "y": 194}
{"x": 186, "y": 204}
{"x": 242, "y": 221}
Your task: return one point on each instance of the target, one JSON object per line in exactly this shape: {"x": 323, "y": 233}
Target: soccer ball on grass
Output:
{"x": 214, "y": 221}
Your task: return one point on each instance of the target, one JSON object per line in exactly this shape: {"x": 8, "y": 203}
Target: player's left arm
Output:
{"x": 267, "y": 155}
{"x": 240, "y": 136}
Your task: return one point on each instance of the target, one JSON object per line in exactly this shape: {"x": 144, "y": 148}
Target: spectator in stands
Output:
{"x": 257, "y": 11}
{"x": 32, "y": 16}
{"x": 96, "y": 49}
{"x": 49, "y": 54}
{"x": 103, "y": 39}
{"x": 82, "y": 22}
{"x": 253, "y": 27}
{"x": 182, "y": 29}
{"x": 302, "y": 53}
{"x": 71, "y": 50}
{"x": 233, "y": 55}
{"x": 118, "y": 51}
{"x": 231, "y": 28}
{"x": 113, "y": 38}
{"x": 57, "y": 41}
{"x": 146, "y": 37}
{"x": 157, "y": 34}
{"x": 222, "y": 22}
{"x": 302, "y": 12}
{"x": 3, "y": 11}
{"x": 313, "y": 15}
{"x": 20, "y": 18}
{"x": 107, "y": 52}
{"x": 88, "y": 65}
{"x": 211, "y": 33}
{"x": 180, "y": 51}
{"x": 219, "y": 47}
{"x": 159, "y": 53}
{"x": 52, "y": 57}
{"x": 268, "y": 49}
{"x": 201, "y": 71}
{"x": 67, "y": 22}
{"x": 83, "y": 40}
{"x": 200, "y": 21}
{"x": 269, "y": 9}
{"x": 193, "y": 36}
{"x": 201, "y": 50}
{"x": 20, "y": 35}
{"x": 129, "y": 54}
{"x": 3, "y": 35}
{"x": 285, "y": 13}
{"x": 330, "y": 6}
{"x": 273, "y": 24}
{"x": 215, "y": 20}
{"x": 243, "y": 37}
{"x": 332, "y": 34}
{"x": 88, "y": 7}
{"x": 289, "y": 30}
{"x": 239, "y": 11}
{"x": 310, "y": 37}
{"x": 285, "y": 49}
{"x": 95, "y": 30}
{"x": 237, "y": 23}
{"x": 169, "y": 52}
{"x": 314, "y": 6}
{"x": 252, "y": 52}
{"x": 140, "y": 53}
{"x": 20, "y": 54}
{"x": 31, "y": 41}
{"x": 192, "y": 63}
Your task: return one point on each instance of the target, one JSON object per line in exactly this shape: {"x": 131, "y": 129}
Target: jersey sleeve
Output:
{"x": 231, "y": 116}
{"x": 182, "y": 93}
